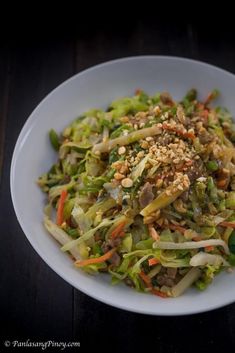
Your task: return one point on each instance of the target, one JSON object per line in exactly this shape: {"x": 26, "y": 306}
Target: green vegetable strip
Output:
{"x": 162, "y": 200}
{"x": 60, "y": 236}
{"x": 126, "y": 140}
{"x": 186, "y": 282}
{"x": 70, "y": 245}
{"x": 54, "y": 139}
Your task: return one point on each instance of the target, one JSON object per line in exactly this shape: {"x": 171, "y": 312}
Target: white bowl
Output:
{"x": 97, "y": 87}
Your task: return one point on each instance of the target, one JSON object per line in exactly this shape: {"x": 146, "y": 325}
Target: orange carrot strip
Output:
{"x": 118, "y": 230}
{"x": 189, "y": 135}
{"x": 176, "y": 227}
{"x": 154, "y": 234}
{"x": 95, "y": 260}
{"x": 227, "y": 224}
{"x": 60, "y": 210}
{"x": 153, "y": 262}
{"x": 212, "y": 95}
{"x": 209, "y": 248}
{"x": 159, "y": 293}
{"x": 146, "y": 279}
{"x": 221, "y": 183}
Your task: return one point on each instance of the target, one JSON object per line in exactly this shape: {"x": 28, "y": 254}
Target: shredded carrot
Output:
{"x": 122, "y": 234}
{"x": 222, "y": 183}
{"x": 227, "y": 224}
{"x": 119, "y": 229}
{"x": 60, "y": 210}
{"x": 209, "y": 248}
{"x": 176, "y": 227}
{"x": 189, "y": 135}
{"x": 147, "y": 280}
{"x": 154, "y": 234}
{"x": 209, "y": 98}
{"x": 153, "y": 262}
{"x": 95, "y": 260}
{"x": 159, "y": 293}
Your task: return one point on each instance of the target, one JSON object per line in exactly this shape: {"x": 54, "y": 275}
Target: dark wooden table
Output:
{"x": 35, "y": 303}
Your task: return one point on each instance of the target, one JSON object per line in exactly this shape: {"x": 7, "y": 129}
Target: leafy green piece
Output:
{"x": 93, "y": 165}
{"x": 123, "y": 106}
{"x": 144, "y": 244}
{"x": 72, "y": 232}
{"x": 117, "y": 132}
{"x": 230, "y": 200}
{"x": 166, "y": 235}
{"x": 207, "y": 276}
{"x": 167, "y": 196}
{"x": 86, "y": 236}
{"x": 212, "y": 189}
{"x": 212, "y": 166}
{"x": 92, "y": 184}
{"x": 127, "y": 243}
{"x": 191, "y": 95}
{"x": 139, "y": 168}
{"x": 68, "y": 206}
{"x": 200, "y": 189}
{"x": 54, "y": 139}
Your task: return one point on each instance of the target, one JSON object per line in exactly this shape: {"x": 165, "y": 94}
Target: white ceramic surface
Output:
{"x": 97, "y": 87}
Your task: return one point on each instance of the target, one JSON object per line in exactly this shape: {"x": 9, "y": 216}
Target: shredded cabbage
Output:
{"x": 191, "y": 245}
{"x": 202, "y": 259}
{"x": 145, "y": 191}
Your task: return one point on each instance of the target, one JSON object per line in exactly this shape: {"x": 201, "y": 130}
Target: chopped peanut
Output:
{"x": 119, "y": 176}
{"x": 122, "y": 150}
{"x": 127, "y": 183}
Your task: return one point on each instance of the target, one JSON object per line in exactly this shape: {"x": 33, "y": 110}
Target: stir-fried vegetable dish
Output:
{"x": 145, "y": 191}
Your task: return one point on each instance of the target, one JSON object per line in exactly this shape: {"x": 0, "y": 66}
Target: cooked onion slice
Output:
{"x": 60, "y": 236}
{"x": 190, "y": 245}
{"x": 202, "y": 259}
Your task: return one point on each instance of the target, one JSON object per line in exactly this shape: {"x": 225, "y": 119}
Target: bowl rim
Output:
{"x": 23, "y": 134}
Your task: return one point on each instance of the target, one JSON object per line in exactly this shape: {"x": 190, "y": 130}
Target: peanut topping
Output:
{"x": 122, "y": 150}
{"x": 127, "y": 183}
{"x": 119, "y": 176}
